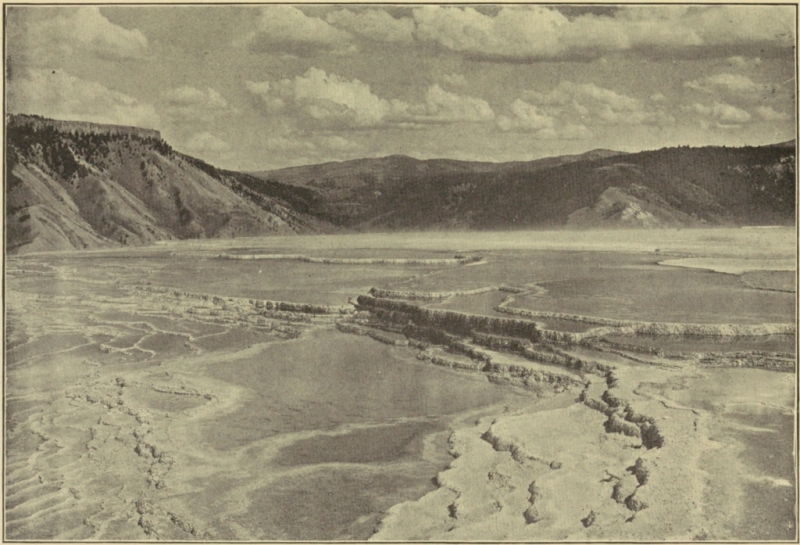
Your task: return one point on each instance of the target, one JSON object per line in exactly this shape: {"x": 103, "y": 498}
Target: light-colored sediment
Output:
{"x": 733, "y": 265}
{"x": 621, "y": 463}
{"x": 355, "y": 260}
{"x": 619, "y": 442}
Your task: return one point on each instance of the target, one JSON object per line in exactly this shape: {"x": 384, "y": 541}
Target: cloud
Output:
{"x": 721, "y": 113}
{"x": 767, "y": 113}
{"x": 261, "y": 89}
{"x": 331, "y": 101}
{"x": 186, "y": 96}
{"x": 206, "y": 142}
{"x": 511, "y": 33}
{"x": 374, "y": 24}
{"x": 734, "y": 25}
{"x": 527, "y": 117}
{"x": 188, "y": 104}
{"x": 41, "y": 35}
{"x": 328, "y": 100}
{"x": 595, "y": 104}
{"x": 59, "y": 95}
{"x": 728, "y": 83}
{"x": 286, "y": 29}
{"x": 443, "y": 106}
{"x": 530, "y": 33}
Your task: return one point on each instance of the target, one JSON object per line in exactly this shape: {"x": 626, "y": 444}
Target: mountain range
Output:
{"x": 75, "y": 185}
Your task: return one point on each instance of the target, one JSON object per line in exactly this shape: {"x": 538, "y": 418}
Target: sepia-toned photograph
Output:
{"x": 400, "y": 272}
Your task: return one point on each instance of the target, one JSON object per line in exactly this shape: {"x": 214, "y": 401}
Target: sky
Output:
{"x": 258, "y": 87}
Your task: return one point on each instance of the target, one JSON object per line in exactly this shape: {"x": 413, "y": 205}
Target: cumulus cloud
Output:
{"x": 374, "y": 24}
{"x": 40, "y": 35}
{"x": 528, "y": 33}
{"x": 724, "y": 115}
{"x": 728, "y": 83}
{"x": 286, "y": 29}
{"x": 527, "y": 117}
{"x": 753, "y": 24}
{"x": 188, "y": 104}
{"x": 329, "y": 100}
{"x": 599, "y": 105}
{"x": 444, "y": 106}
{"x": 261, "y": 89}
{"x": 60, "y": 95}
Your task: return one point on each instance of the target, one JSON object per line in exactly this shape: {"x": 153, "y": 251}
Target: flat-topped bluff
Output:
{"x": 74, "y": 185}
{"x": 38, "y": 123}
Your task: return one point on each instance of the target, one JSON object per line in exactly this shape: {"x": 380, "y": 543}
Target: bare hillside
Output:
{"x": 87, "y": 186}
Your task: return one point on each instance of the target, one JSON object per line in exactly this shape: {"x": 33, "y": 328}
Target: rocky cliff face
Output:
{"x": 76, "y": 185}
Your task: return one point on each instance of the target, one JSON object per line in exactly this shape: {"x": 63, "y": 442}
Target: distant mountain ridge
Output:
{"x": 599, "y": 189}
{"x": 76, "y": 185}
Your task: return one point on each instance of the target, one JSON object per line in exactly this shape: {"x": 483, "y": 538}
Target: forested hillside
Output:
{"x": 668, "y": 187}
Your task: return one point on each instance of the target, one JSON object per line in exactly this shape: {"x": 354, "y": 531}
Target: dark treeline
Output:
{"x": 59, "y": 147}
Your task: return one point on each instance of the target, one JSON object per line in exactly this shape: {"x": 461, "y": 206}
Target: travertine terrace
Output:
{"x": 148, "y": 402}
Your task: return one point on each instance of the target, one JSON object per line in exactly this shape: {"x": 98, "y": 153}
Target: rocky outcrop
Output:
{"x": 774, "y": 361}
{"x": 531, "y": 514}
{"x": 528, "y": 376}
{"x": 469, "y": 365}
{"x": 450, "y": 321}
{"x": 543, "y": 352}
{"x": 622, "y": 418}
{"x": 630, "y": 327}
